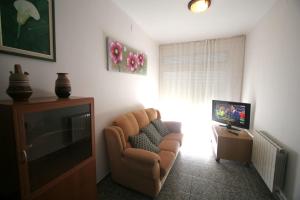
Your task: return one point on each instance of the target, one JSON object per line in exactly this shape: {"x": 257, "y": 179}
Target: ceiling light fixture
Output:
{"x": 199, "y": 5}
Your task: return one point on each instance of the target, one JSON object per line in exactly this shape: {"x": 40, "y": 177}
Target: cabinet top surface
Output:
{"x": 42, "y": 100}
{"x": 223, "y": 132}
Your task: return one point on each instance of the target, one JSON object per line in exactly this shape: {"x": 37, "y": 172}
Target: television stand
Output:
{"x": 228, "y": 126}
{"x": 231, "y": 147}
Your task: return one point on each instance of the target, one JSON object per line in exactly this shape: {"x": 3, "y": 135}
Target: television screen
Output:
{"x": 231, "y": 113}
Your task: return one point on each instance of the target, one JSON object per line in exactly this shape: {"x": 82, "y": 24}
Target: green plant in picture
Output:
{"x": 26, "y": 28}
{"x": 25, "y": 10}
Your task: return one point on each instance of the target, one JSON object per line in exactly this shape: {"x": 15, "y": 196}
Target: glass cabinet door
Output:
{"x": 56, "y": 141}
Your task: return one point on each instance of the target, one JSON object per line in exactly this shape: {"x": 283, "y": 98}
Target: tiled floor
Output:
{"x": 196, "y": 178}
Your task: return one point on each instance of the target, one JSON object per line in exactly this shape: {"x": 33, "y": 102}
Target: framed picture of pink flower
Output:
{"x": 122, "y": 58}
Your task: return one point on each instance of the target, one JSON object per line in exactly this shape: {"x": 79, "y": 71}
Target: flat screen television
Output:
{"x": 231, "y": 113}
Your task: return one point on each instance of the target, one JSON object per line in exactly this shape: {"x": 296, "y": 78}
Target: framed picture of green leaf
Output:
{"x": 27, "y": 28}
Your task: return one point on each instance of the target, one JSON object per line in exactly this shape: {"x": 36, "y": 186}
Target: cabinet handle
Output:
{"x": 24, "y": 156}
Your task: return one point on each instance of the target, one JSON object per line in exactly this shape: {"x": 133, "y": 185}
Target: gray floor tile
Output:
{"x": 206, "y": 197}
{"x": 173, "y": 196}
{"x": 196, "y": 179}
{"x": 180, "y": 183}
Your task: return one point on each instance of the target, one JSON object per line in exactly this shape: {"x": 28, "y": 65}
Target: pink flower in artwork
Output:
{"x": 132, "y": 61}
{"x": 116, "y": 52}
{"x": 141, "y": 59}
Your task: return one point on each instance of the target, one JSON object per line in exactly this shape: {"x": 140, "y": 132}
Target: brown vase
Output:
{"x": 62, "y": 85}
{"x": 19, "y": 88}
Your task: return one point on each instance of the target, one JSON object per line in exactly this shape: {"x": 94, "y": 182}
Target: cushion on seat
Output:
{"x": 141, "y": 141}
{"x": 128, "y": 124}
{"x": 162, "y": 129}
{"x": 152, "y": 113}
{"x": 141, "y": 117}
{"x": 166, "y": 161}
{"x": 152, "y": 134}
{"x": 174, "y": 136}
{"x": 169, "y": 145}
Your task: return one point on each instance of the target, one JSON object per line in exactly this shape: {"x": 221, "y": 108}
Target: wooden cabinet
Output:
{"x": 47, "y": 149}
{"x": 231, "y": 147}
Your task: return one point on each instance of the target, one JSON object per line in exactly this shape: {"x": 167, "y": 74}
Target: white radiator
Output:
{"x": 269, "y": 159}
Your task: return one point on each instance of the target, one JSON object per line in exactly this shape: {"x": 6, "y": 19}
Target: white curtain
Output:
{"x": 194, "y": 73}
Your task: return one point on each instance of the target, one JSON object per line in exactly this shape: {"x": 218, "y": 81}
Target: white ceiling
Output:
{"x": 168, "y": 21}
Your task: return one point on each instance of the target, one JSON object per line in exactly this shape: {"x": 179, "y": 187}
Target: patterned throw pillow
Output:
{"x": 162, "y": 129}
{"x": 141, "y": 141}
{"x": 152, "y": 134}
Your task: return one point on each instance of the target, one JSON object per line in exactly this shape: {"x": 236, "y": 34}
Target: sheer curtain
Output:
{"x": 194, "y": 73}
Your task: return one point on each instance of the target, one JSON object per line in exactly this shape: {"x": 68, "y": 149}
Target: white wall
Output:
{"x": 81, "y": 27}
{"x": 272, "y": 81}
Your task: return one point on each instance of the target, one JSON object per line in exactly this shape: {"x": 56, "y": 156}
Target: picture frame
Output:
{"x": 125, "y": 59}
{"x": 27, "y": 28}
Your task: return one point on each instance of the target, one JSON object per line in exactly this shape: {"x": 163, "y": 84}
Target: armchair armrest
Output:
{"x": 174, "y": 127}
{"x": 141, "y": 162}
{"x": 140, "y": 155}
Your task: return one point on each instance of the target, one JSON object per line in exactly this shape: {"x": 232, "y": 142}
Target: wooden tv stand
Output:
{"x": 230, "y": 146}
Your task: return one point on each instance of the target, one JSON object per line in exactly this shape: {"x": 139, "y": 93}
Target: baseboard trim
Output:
{"x": 103, "y": 177}
{"x": 279, "y": 195}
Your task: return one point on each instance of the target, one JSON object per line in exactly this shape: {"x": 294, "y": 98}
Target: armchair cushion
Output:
{"x": 162, "y": 129}
{"x": 142, "y": 118}
{"x": 152, "y": 113}
{"x": 152, "y": 134}
{"x": 173, "y": 127}
{"x": 174, "y": 136}
{"x": 141, "y": 155}
{"x": 170, "y": 145}
{"x": 141, "y": 141}
{"x": 128, "y": 124}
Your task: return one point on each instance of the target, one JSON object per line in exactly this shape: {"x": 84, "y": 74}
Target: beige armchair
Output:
{"x": 138, "y": 169}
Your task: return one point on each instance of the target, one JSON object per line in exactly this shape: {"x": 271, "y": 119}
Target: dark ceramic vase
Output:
{"x": 19, "y": 88}
{"x": 62, "y": 85}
